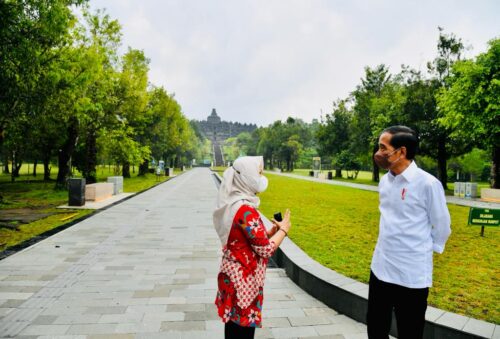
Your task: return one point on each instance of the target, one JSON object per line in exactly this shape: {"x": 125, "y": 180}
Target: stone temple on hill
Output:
{"x": 217, "y": 130}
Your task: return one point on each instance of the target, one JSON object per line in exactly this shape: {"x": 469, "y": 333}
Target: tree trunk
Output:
{"x": 441, "y": 160}
{"x": 6, "y": 166}
{"x": 495, "y": 168}
{"x": 143, "y": 168}
{"x": 126, "y": 170}
{"x": 16, "y": 167}
{"x": 338, "y": 173}
{"x": 46, "y": 168}
{"x": 91, "y": 158}
{"x": 35, "y": 163}
{"x": 376, "y": 170}
{"x": 65, "y": 153}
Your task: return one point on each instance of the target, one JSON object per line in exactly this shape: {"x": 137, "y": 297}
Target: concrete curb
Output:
{"x": 350, "y": 297}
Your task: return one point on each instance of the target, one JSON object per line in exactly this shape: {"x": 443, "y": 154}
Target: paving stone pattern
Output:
{"x": 145, "y": 268}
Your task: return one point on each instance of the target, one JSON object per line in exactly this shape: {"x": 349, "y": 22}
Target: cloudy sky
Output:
{"x": 258, "y": 61}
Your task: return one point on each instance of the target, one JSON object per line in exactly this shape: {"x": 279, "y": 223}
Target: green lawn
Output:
{"x": 365, "y": 177}
{"x": 218, "y": 169}
{"x": 338, "y": 227}
{"x": 35, "y": 195}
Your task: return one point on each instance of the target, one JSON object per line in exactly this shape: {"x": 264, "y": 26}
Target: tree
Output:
{"x": 449, "y": 49}
{"x": 364, "y": 142}
{"x": 170, "y": 135}
{"x": 473, "y": 163}
{"x": 98, "y": 106}
{"x": 33, "y": 34}
{"x": 346, "y": 160}
{"x": 132, "y": 101}
{"x": 282, "y": 143}
{"x": 470, "y": 104}
{"x": 333, "y": 134}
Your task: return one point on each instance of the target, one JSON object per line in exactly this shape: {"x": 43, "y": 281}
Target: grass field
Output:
{"x": 338, "y": 227}
{"x": 365, "y": 177}
{"x": 32, "y": 195}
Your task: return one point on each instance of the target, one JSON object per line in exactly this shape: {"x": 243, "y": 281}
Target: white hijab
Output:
{"x": 239, "y": 185}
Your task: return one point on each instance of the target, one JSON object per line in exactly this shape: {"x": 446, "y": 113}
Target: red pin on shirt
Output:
{"x": 403, "y": 193}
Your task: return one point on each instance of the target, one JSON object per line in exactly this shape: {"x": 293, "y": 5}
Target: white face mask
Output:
{"x": 256, "y": 185}
{"x": 262, "y": 184}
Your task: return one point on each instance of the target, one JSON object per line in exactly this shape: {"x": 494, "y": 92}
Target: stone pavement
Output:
{"x": 449, "y": 199}
{"x": 145, "y": 268}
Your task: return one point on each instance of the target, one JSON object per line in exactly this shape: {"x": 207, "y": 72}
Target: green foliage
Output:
{"x": 119, "y": 147}
{"x": 281, "y": 144}
{"x": 241, "y": 145}
{"x": 474, "y": 162}
{"x": 470, "y": 105}
{"x": 305, "y": 158}
{"x": 346, "y": 160}
{"x": 333, "y": 133}
{"x": 68, "y": 93}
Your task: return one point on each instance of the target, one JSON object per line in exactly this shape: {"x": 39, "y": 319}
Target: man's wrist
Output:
{"x": 286, "y": 233}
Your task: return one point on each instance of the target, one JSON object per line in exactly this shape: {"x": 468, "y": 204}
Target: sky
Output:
{"x": 258, "y": 61}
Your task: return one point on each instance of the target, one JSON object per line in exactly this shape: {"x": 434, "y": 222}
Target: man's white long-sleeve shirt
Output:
{"x": 414, "y": 222}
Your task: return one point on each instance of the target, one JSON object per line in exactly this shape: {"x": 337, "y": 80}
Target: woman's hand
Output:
{"x": 285, "y": 224}
{"x": 273, "y": 230}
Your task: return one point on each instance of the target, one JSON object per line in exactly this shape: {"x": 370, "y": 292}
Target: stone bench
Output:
{"x": 99, "y": 191}
{"x": 490, "y": 194}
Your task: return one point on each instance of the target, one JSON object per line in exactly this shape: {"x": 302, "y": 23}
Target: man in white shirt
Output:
{"x": 414, "y": 222}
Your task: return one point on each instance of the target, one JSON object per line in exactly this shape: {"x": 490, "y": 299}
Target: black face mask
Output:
{"x": 382, "y": 160}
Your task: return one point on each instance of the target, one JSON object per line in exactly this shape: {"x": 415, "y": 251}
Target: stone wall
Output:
{"x": 215, "y": 129}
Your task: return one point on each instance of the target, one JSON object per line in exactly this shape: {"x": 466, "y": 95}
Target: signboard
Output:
{"x": 484, "y": 217}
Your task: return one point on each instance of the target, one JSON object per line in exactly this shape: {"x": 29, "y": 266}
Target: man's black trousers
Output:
{"x": 409, "y": 306}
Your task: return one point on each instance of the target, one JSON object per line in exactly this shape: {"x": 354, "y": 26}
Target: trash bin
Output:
{"x": 311, "y": 173}
{"x": 456, "y": 189}
{"x": 169, "y": 171}
{"x": 461, "y": 192}
{"x": 330, "y": 175}
{"x": 471, "y": 190}
{"x": 76, "y": 192}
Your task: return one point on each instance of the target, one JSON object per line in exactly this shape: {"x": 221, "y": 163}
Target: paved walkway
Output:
{"x": 449, "y": 199}
{"x": 145, "y": 268}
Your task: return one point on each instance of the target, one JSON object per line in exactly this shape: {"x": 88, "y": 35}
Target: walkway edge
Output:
{"x": 350, "y": 297}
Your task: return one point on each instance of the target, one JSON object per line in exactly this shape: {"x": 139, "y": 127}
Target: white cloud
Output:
{"x": 262, "y": 60}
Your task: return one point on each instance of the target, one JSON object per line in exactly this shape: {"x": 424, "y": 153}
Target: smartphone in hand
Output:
{"x": 278, "y": 217}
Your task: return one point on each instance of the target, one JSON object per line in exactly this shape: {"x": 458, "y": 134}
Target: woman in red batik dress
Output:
{"x": 247, "y": 246}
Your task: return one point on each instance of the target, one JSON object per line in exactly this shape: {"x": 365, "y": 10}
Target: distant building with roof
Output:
{"x": 215, "y": 129}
